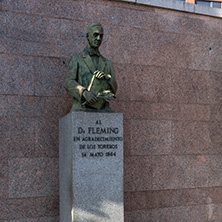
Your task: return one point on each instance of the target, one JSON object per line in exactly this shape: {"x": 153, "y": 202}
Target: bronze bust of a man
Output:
{"x": 90, "y": 77}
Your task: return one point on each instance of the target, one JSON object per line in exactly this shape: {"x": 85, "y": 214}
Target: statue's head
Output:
{"x": 94, "y": 35}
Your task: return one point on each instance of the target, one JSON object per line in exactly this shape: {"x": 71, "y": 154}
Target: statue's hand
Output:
{"x": 101, "y": 75}
{"x": 90, "y": 97}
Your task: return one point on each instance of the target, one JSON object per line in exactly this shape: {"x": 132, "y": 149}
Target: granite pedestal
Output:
{"x": 91, "y": 167}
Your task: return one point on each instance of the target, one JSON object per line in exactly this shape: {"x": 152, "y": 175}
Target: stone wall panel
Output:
{"x": 168, "y": 68}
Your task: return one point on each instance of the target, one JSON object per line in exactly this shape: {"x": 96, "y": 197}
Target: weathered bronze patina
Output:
{"x": 90, "y": 77}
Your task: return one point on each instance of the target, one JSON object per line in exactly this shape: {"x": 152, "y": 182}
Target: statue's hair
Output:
{"x": 89, "y": 29}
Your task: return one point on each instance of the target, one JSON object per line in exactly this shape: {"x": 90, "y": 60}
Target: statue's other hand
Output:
{"x": 98, "y": 74}
{"x": 101, "y": 75}
{"x": 90, "y": 97}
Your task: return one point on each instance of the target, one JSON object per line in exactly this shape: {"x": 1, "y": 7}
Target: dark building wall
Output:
{"x": 168, "y": 66}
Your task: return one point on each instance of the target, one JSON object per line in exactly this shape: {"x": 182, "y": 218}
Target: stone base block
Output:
{"x": 91, "y": 167}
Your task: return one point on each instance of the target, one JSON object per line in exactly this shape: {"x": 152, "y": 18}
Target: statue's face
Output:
{"x": 95, "y": 37}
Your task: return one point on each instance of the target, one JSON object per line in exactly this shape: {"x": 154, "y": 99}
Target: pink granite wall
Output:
{"x": 168, "y": 65}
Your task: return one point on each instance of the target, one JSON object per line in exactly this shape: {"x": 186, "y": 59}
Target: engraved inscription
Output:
{"x": 97, "y": 142}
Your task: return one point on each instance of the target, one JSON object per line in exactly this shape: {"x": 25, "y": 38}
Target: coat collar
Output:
{"x": 92, "y": 52}
{"x": 87, "y": 59}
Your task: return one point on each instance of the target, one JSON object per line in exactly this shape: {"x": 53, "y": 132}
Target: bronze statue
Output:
{"x": 90, "y": 77}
